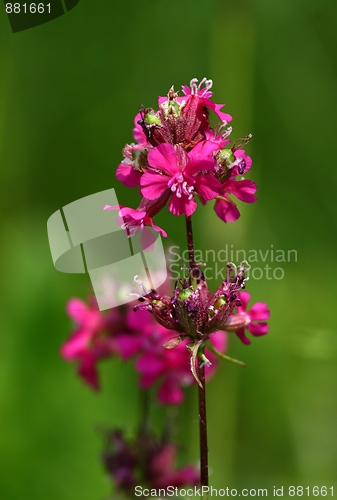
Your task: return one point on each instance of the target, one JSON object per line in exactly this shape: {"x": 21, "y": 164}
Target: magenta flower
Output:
{"x": 252, "y": 320}
{"x": 161, "y": 470}
{"x": 144, "y": 460}
{"x": 179, "y": 175}
{"x": 97, "y": 336}
{"x": 84, "y": 345}
{"x": 179, "y": 155}
{"x": 130, "y": 170}
{"x": 89, "y": 321}
{"x": 128, "y": 174}
{"x": 171, "y": 367}
{"x": 134, "y": 220}
{"x": 243, "y": 189}
{"x": 138, "y": 132}
{"x": 203, "y": 94}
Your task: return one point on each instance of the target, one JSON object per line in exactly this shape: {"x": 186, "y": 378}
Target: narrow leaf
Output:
{"x": 211, "y": 348}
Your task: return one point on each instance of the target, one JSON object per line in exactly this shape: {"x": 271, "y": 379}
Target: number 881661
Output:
{"x": 28, "y": 8}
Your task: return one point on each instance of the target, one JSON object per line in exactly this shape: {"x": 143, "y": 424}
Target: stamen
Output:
{"x": 208, "y": 85}
{"x": 193, "y": 85}
{"x": 141, "y": 285}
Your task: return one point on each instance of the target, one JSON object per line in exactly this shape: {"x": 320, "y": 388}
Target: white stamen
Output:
{"x": 193, "y": 85}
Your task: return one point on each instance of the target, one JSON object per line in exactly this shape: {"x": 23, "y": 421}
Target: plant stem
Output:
{"x": 143, "y": 431}
{"x": 203, "y": 427}
{"x": 201, "y": 373}
{"x": 190, "y": 243}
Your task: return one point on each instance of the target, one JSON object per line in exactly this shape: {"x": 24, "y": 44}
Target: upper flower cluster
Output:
{"x": 179, "y": 156}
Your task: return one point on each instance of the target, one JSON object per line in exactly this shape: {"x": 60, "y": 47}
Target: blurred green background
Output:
{"x": 69, "y": 91}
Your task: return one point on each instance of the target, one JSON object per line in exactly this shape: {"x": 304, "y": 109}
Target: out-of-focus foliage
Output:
{"x": 69, "y": 91}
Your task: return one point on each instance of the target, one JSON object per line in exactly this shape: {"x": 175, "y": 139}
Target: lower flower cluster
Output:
{"x": 129, "y": 332}
{"x": 144, "y": 460}
{"x": 135, "y": 336}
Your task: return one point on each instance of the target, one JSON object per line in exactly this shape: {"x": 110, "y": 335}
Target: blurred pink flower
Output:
{"x": 253, "y": 320}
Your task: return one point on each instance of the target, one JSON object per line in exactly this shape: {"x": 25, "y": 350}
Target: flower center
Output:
{"x": 179, "y": 186}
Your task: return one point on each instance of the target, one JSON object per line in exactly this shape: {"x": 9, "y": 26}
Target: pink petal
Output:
{"x": 244, "y": 190}
{"x": 163, "y": 459}
{"x": 147, "y": 240}
{"x": 160, "y": 230}
{"x": 149, "y": 364}
{"x": 226, "y": 210}
{"x": 112, "y": 207}
{"x": 128, "y": 345}
{"x": 87, "y": 370}
{"x": 258, "y": 329}
{"x": 128, "y": 175}
{"x": 196, "y": 166}
{"x": 242, "y": 336}
{"x": 135, "y": 214}
{"x": 77, "y": 310}
{"x": 170, "y": 392}
{"x": 208, "y": 187}
{"x": 153, "y": 185}
{"x": 147, "y": 381}
{"x": 76, "y": 345}
{"x": 164, "y": 158}
{"x": 245, "y": 298}
{"x": 220, "y": 340}
{"x": 241, "y": 153}
{"x": 216, "y": 108}
{"x": 176, "y": 478}
{"x": 259, "y": 312}
{"x": 203, "y": 151}
{"x": 183, "y": 205}
{"x": 138, "y": 132}
{"x": 140, "y": 321}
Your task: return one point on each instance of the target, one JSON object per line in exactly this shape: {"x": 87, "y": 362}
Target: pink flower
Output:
{"x": 89, "y": 321}
{"x": 203, "y": 94}
{"x": 129, "y": 171}
{"x": 243, "y": 189}
{"x": 134, "y": 220}
{"x": 152, "y": 463}
{"x": 161, "y": 471}
{"x": 84, "y": 345}
{"x": 138, "y": 132}
{"x": 128, "y": 174}
{"x": 252, "y": 320}
{"x": 179, "y": 175}
{"x": 171, "y": 367}
{"x": 97, "y": 336}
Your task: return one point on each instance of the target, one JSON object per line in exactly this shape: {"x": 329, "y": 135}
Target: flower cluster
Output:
{"x": 128, "y": 335}
{"x": 178, "y": 156}
{"x": 193, "y": 312}
{"x": 145, "y": 460}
